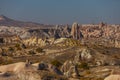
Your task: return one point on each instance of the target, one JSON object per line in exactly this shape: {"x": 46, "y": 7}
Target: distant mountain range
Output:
{"x": 5, "y": 21}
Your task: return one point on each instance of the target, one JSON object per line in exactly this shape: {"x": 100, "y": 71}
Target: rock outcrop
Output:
{"x": 83, "y": 55}
{"x": 75, "y": 31}
{"x": 46, "y": 66}
{"x": 35, "y": 41}
{"x": 28, "y": 71}
{"x": 94, "y": 57}
{"x": 69, "y": 69}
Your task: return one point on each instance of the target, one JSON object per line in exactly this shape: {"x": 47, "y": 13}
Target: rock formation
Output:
{"x": 69, "y": 69}
{"x": 50, "y": 67}
{"x": 15, "y": 67}
{"x": 75, "y": 31}
{"x": 115, "y": 75}
{"x": 66, "y": 32}
{"x": 83, "y": 54}
{"x": 28, "y": 71}
{"x": 101, "y": 34}
{"x": 35, "y": 41}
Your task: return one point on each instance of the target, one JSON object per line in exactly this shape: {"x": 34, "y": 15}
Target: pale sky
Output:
{"x": 62, "y": 11}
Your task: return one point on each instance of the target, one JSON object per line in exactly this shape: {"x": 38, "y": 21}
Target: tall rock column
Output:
{"x": 75, "y": 31}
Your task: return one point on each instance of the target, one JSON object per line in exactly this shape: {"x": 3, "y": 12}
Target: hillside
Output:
{"x": 5, "y": 21}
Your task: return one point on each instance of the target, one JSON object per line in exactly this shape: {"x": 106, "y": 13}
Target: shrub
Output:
{"x": 1, "y": 60}
{"x": 18, "y": 46}
{"x": 73, "y": 42}
{"x": 8, "y": 60}
{"x": 23, "y": 46}
{"x": 87, "y": 72}
{"x": 39, "y": 50}
{"x": 32, "y": 52}
{"x": 56, "y": 63}
{"x": 11, "y": 49}
{"x": 83, "y": 65}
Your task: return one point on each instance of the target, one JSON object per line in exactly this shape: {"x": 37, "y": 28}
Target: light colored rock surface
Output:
{"x": 113, "y": 77}
{"x": 69, "y": 69}
{"x": 75, "y": 31}
{"x": 16, "y": 67}
{"x": 83, "y": 54}
{"x": 34, "y": 41}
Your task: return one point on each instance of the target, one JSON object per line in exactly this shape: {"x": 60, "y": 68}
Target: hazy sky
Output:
{"x": 62, "y": 11}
